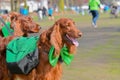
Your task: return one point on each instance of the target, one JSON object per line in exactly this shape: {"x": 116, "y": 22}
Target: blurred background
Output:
{"x": 58, "y": 5}
{"x": 98, "y": 55}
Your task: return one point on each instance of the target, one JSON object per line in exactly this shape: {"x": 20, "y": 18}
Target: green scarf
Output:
{"x": 64, "y": 53}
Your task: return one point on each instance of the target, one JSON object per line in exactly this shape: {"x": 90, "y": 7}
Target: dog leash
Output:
{"x": 6, "y": 26}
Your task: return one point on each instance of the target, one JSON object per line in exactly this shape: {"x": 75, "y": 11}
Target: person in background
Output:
{"x": 39, "y": 11}
{"x": 50, "y": 13}
{"x": 94, "y": 6}
{"x": 44, "y": 10}
{"x": 114, "y": 9}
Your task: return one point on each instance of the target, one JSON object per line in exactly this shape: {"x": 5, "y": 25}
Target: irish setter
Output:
{"x": 63, "y": 32}
{"x": 22, "y": 26}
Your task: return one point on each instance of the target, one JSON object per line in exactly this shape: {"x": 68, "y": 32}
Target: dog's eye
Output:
{"x": 68, "y": 24}
{"x": 73, "y": 22}
{"x": 67, "y": 27}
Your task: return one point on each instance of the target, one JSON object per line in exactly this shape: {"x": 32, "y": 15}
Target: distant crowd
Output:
{"x": 43, "y": 12}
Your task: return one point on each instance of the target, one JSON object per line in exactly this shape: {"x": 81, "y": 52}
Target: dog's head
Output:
{"x": 30, "y": 26}
{"x": 24, "y": 25}
{"x": 67, "y": 33}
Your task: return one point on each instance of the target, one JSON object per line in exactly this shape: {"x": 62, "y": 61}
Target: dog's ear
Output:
{"x": 17, "y": 28}
{"x": 13, "y": 17}
{"x": 25, "y": 25}
{"x": 55, "y": 39}
{"x": 42, "y": 39}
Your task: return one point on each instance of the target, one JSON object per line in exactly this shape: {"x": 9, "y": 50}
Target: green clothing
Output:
{"x": 5, "y": 30}
{"x": 94, "y": 4}
{"x": 18, "y": 48}
{"x": 64, "y": 55}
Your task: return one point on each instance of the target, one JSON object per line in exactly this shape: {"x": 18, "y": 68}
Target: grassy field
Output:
{"x": 98, "y": 55}
{"x": 82, "y": 21}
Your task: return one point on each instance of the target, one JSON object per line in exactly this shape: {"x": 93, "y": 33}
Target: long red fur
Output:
{"x": 53, "y": 36}
{"x": 21, "y": 25}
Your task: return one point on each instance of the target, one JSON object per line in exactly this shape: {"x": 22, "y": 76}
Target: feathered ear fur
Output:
{"x": 42, "y": 39}
{"x": 55, "y": 39}
{"x": 17, "y": 29}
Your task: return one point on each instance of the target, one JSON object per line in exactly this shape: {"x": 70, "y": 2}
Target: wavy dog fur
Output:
{"x": 22, "y": 26}
{"x": 56, "y": 36}
{"x": 60, "y": 34}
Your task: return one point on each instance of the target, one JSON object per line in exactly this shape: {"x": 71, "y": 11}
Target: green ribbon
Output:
{"x": 64, "y": 53}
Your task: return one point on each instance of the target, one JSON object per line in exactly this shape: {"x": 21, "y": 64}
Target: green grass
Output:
{"x": 104, "y": 20}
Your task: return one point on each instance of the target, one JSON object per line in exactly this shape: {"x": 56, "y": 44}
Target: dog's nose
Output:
{"x": 80, "y": 34}
{"x": 39, "y": 27}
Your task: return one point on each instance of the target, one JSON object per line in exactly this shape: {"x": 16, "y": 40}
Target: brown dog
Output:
{"x": 21, "y": 25}
{"x": 63, "y": 32}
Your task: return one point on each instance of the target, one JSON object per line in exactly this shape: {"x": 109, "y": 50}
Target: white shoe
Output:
{"x": 94, "y": 25}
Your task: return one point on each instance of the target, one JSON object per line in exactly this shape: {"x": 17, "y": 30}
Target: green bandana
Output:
{"x": 64, "y": 53}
